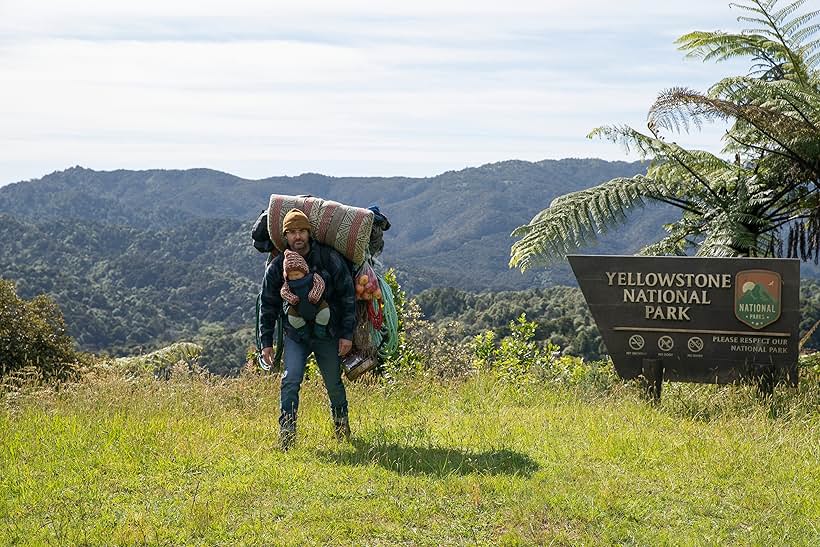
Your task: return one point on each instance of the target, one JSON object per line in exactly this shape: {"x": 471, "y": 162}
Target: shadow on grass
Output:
{"x": 431, "y": 460}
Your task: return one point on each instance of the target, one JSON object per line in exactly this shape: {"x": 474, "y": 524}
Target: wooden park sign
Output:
{"x": 708, "y": 320}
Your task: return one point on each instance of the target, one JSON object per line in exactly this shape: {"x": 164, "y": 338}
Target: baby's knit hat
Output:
{"x": 294, "y": 261}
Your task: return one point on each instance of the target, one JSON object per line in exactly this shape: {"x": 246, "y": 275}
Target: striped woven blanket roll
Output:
{"x": 345, "y": 228}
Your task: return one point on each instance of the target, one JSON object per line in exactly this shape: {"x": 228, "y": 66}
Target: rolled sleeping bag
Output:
{"x": 343, "y": 227}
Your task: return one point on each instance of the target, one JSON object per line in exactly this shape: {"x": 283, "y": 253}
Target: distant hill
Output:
{"x": 449, "y": 230}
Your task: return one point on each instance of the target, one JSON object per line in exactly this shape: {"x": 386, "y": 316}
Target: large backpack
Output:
{"x": 261, "y": 239}
{"x": 263, "y": 243}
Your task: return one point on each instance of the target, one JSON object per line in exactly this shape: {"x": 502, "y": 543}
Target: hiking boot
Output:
{"x": 341, "y": 428}
{"x": 287, "y": 438}
{"x": 287, "y": 434}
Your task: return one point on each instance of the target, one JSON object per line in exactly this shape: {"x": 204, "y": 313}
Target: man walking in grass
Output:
{"x": 327, "y": 345}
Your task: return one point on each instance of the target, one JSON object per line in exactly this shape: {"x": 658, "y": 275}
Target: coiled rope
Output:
{"x": 387, "y": 338}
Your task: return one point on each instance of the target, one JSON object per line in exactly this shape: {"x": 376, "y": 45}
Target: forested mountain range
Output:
{"x": 122, "y": 289}
{"x": 137, "y": 259}
{"x": 449, "y": 230}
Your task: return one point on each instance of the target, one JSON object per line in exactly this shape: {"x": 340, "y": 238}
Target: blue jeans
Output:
{"x": 326, "y": 351}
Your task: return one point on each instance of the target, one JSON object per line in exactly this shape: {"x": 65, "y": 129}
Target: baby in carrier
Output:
{"x": 303, "y": 291}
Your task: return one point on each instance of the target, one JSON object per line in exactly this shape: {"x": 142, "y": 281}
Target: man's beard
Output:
{"x": 299, "y": 246}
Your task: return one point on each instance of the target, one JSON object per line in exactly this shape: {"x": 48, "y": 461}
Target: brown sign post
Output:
{"x": 707, "y": 320}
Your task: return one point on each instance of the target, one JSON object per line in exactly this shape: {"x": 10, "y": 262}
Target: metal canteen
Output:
{"x": 356, "y": 365}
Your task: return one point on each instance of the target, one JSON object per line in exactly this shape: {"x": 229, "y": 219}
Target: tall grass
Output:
{"x": 194, "y": 460}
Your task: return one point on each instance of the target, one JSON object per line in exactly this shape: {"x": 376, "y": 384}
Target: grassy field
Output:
{"x": 195, "y": 461}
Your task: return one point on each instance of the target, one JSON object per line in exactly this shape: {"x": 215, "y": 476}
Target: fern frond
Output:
{"x": 771, "y": 40}
{"x": 796, "y": 29}
{"x": 680, "y": 239}
{"x": 781, "y": 14}
{"x": 719, "y": 46}
{"x": 576, "y": 219}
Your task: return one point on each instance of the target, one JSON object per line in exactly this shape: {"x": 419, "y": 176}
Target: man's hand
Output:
{"x": 344, "y": 346}
{"x": 266, "y": 355}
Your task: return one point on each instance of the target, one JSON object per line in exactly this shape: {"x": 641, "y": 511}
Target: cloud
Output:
{"x": 265, "y": 88}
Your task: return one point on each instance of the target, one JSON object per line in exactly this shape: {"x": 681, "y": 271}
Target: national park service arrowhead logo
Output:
{"x": 757, "y": 297}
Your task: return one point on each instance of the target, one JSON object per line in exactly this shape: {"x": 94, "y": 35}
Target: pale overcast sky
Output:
{"x": 361, "y": 87}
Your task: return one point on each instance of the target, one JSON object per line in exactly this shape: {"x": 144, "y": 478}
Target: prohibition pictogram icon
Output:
{"x": 636, "y": 342}
{"x": 665, "y": 343}
{"x": 695, "y": 344}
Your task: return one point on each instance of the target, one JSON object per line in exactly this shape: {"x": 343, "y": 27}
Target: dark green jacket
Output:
{"x": 339, "y": 293}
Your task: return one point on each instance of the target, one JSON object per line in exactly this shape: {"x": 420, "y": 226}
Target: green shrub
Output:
{"x": 160, "y": 363}
{"x": 597, "y": 376}
{"x": 517, "y": 358}
{"x": 810, "y": 368}
{"x": 33, "y": 336}
{"x": 520, "y": 360}
{"x": 427, "y": 348}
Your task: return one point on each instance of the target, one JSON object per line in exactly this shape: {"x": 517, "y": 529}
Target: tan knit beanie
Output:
{"x": 295, "y": 220}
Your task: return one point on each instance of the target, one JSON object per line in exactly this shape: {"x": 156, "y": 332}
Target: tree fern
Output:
{"x": 729, "y": 207}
